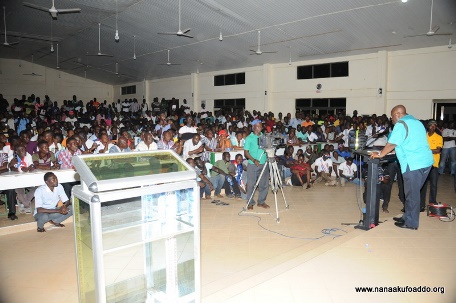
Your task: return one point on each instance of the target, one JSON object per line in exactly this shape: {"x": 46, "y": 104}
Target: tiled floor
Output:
{"x": 244, "y": 262}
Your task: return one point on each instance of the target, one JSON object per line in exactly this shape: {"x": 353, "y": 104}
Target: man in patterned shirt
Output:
{"x": 64, "y": 159}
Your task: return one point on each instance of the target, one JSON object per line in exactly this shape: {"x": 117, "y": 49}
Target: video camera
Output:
{"x": 271, "y": 141}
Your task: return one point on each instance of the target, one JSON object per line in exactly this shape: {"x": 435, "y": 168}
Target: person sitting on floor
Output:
{"x": 51, "y": 203}
{"x": 323, "y": 168}
{"x": 301, "y": 173}
{"x": 348, "y": 172}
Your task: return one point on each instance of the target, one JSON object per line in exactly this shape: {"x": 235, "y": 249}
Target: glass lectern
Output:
{"x": 136, "y": 219}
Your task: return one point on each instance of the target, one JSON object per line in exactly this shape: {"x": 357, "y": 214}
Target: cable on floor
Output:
{"x": 325, "y": 231}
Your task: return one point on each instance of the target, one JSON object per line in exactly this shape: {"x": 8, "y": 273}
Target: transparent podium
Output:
{"x": 137, "y": 230}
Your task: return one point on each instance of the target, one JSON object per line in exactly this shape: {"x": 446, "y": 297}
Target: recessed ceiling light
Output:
{"x": 393, "y": 32}
{"x": 404, "y": 1}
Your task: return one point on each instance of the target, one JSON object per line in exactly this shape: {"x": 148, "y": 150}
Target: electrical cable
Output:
{"x": 325, "y": 231}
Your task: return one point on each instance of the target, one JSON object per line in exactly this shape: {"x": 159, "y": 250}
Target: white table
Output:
{"x": 12, "y": 180}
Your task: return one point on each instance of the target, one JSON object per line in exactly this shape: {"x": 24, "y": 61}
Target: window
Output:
{"x": 229, "y": 104}
{"x": 339, "y": 69}
{"x": 328, "y": 70}
{"x": 229, "y": 79}
{"x": 321, "y": 105}
{"x": 322, "y": 71}
{"x": 129, "y": 90}
{"x": 305, "y": 72}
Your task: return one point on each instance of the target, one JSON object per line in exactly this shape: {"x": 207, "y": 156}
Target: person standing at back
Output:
{"x": 409, "y": 140}
{"x": 435, "y": 143}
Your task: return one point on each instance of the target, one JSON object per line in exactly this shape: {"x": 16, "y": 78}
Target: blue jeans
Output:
{"x": 42, "y": 218}
{"x": 451, "y": 154}
{"x": 217, "y": 182}
{"x": 413, "y": 181}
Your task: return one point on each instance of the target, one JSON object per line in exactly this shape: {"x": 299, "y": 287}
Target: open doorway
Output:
{"x": 444, "y": 109}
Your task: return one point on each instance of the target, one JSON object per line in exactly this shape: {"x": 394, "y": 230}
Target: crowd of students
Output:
{"x": 40, "y": 134}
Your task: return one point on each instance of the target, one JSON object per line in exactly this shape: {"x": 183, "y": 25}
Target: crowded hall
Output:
{"x": 320, "y": 172}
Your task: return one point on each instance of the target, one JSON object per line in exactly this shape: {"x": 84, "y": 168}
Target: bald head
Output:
{"x": 398, "y": 112}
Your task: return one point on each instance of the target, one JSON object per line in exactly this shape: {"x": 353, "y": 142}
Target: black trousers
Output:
{"x": 394, "y": 169}
{"x": 432, "y": 179}
{"x": 10, "y": 200}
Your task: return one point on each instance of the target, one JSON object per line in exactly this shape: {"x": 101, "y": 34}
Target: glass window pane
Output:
{"x": 321, "y": 71}
{"x": 337, "y": 102}
{"x": 230, "y": 79}
{"x": 240, "y": 78}
{"x": 230, "y": 102}
{"x": 339, "y": 69}
{"x": 320, "y": 102}
{"x": 304, "y": 72}
{"x": 303, "y": 103}
{"x": 219, "y": 80}
{"x": 219, "y": 103}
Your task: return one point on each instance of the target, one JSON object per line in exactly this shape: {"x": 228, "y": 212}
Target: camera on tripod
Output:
{"x": 271, "y": 142}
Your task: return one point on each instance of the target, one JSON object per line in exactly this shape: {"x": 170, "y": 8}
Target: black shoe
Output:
{"x": 402, "y": 225}
{"x": 403, "y": 210}
{"x": 399, "y": 219}
{"x": 12, "y": 217}
{"x": 422, "y": 209}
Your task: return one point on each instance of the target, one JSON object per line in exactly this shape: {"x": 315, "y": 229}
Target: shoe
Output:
{"x": 327, "y": 183}
{"x": 288, "y": 182}
{"x": 264, "y": 205}
{"x": 398, "y": 219}
{"x": 238, "y": 198}
{"x": 403, "y": 210}
{"x": 230, "y": 196}
{"x": 250, "y": 207}
{"x": 12, "y": 217}
{"x": 28, "y": 210}
{"x": 385, "y": 210}
{"x": 308, "y": 186}
{"x": 422, "y": 209}
{"x": 21, "y": 209}
{"x": 402, "y": 225}
{"x": 56, "y": 224}
{"x": 40, "y": 230}
{"x": 219, "y": 196}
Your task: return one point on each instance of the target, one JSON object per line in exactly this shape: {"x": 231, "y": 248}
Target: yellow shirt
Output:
{"x": 435, "y": 141}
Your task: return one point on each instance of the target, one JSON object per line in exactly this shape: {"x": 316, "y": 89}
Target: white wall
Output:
{"x": 416, "y": 77}
{"x": 140, "y": 92}
{"x": 413, "y": 77}
{"x": 57, "y": 84}
{"x": 252, "y": 90}
{"x": 177, "y": 87}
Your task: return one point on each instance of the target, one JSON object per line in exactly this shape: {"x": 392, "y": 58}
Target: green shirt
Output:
{"x": 251, "y": 144}
{"x": 222, "y": 165}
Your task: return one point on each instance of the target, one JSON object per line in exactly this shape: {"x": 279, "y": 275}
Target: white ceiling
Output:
{"x": 302, "y": 29}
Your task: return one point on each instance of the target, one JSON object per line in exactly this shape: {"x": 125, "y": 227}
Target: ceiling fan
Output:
{"x": 258, "y": 51}
{"x": 53, "y": 11}
{"x": 169, "y": 63}
{"x": 100, "y": 54}
{"x": 5, "y": 43}
{"x": 432, "y": 30}
{"x": 180, "y": 33}
{"x": 32, "y": 73}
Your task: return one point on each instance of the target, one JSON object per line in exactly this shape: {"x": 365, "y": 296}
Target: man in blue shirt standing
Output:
{"x": 415, "y": 157}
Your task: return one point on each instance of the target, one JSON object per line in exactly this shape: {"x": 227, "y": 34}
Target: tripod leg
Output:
{"x": 255, "y": 186}
{"x": 276, "y": 168}
{"x": 273, "y": 182}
